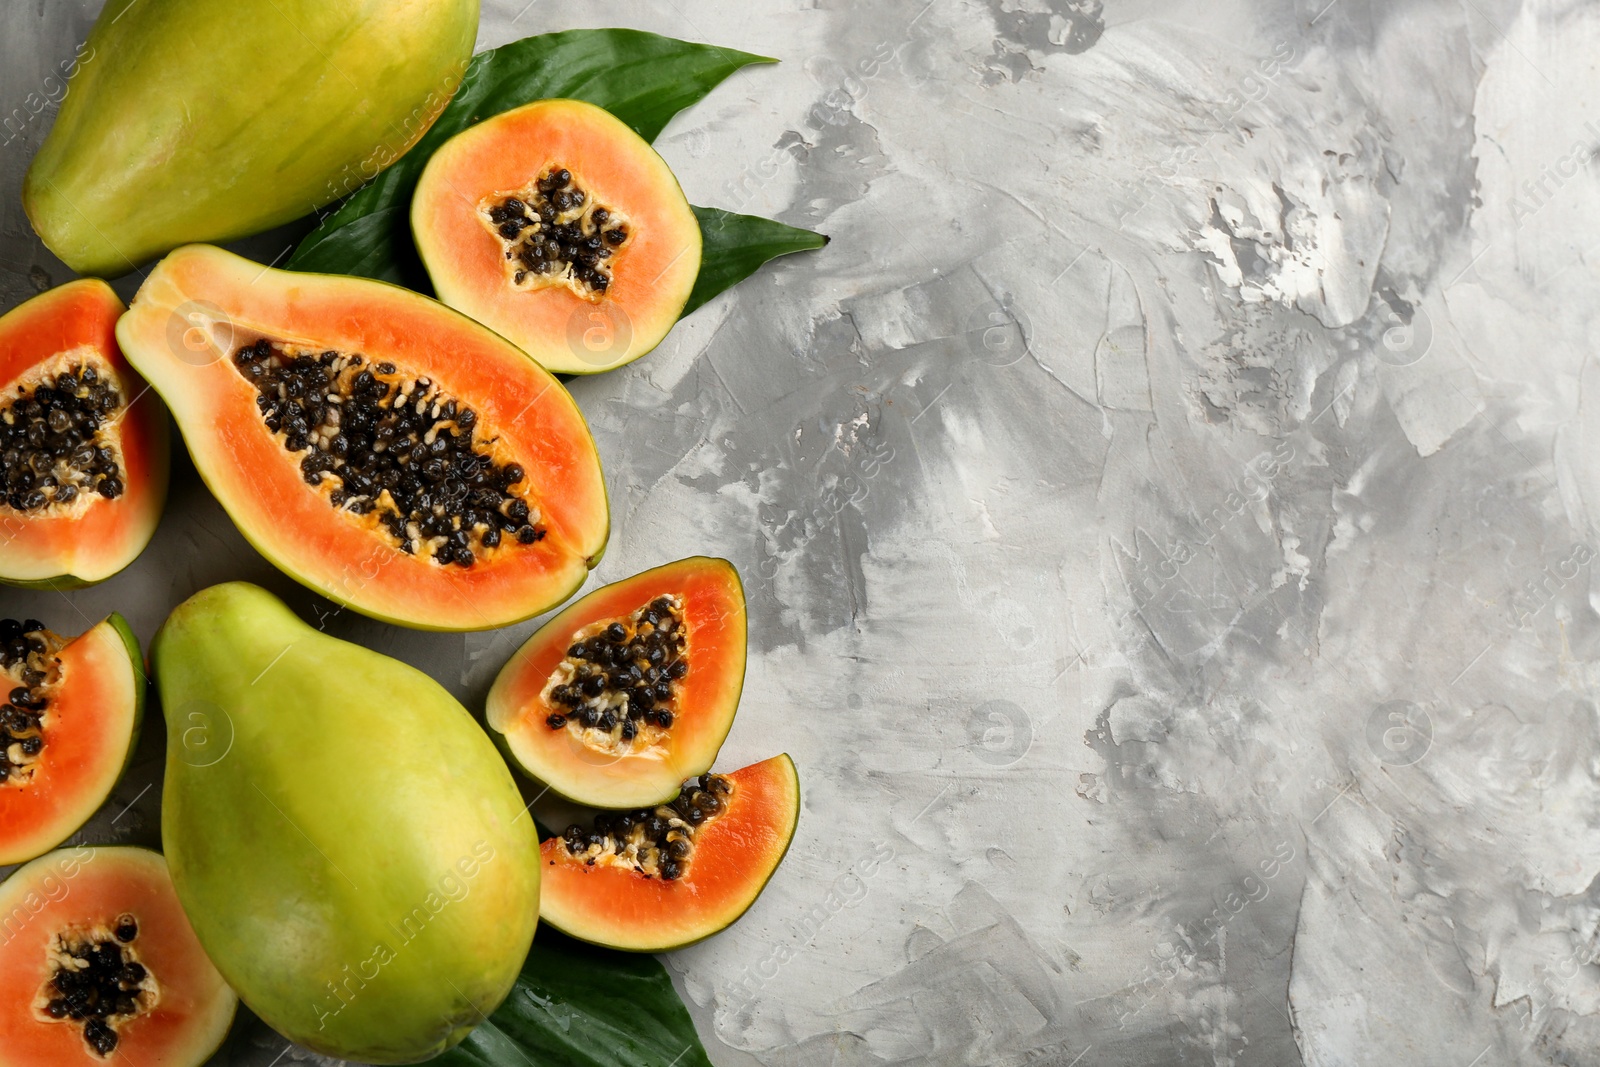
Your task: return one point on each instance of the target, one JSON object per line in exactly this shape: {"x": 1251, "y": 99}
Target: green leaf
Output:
{"x": 735, "y": 246}
{"x": 642, "y": 78}
{"x": 579, "y": 1006}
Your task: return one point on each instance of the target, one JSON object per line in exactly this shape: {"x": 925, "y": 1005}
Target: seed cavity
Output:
{"x": 395, "y": 448}
{"x": 29, "y": 672}
{"x": 55, "y": 450}
{"x": 655, "y": 842}
{"x": 554, "y": 233}
{"x": 617, "y": 687}
{"x": 97, "y": 982}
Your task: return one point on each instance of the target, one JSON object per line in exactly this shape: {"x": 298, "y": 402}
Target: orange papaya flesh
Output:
{"x": 373, "y": 444}
{"x": 560, "y": 228}
{"x": 662, "y": 878}
{"x": 70, "y": 713}
{"x": 99, "y": 965}
{"x": 630, "y": 690}
{"x": 83, "y": 444}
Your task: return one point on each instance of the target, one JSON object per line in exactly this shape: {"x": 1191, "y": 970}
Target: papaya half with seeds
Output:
{"x": 560, "y": 228}
{"x": 349, "y": 845}
{"x": 375, "y": 445}
{"x": 70, "y": 712}
{"x": 83, "y": 445}
{"x": 192, "y": 120}
{"x": 661, "y": 878}
{"x": 623, "y": 695}
{"x": 99, "y": 965}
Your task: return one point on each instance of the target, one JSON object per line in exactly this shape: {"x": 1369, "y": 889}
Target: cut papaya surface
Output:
{"x": 69, "y": 723}
{"x": 83, "y": 446}
{"x": 99, "y": 965}
{"x": 560, "y": 228}
{"x": 618, "y": 699}
{"x": 662, "y": 878}
{"x": 375, "y": 445}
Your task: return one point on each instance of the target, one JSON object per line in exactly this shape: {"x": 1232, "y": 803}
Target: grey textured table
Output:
{"x": 1167, "y": 510}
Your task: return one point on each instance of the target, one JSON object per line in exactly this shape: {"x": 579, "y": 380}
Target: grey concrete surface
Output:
{"x": 1167, "y": 509}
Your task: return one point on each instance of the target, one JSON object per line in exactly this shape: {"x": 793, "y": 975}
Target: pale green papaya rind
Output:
{"x": 141, "y": 684}
{"x": 514, "y": 759}
{"x": 604, "y": 940}
{"x": 190, "y": 120}
{"x": 64, "y": 583}
{"x": 328, "y": 835}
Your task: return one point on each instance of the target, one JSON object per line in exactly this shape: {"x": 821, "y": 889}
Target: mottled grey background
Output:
{"x": 1167, "y": 507}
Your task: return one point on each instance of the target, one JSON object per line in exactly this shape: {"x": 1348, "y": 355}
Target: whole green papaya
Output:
{"x": 345, "y": 839}
{"x": 208, "y": 120}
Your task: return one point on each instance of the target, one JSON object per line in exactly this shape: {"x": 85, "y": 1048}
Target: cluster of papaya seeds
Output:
{"x": 100, "y": 965}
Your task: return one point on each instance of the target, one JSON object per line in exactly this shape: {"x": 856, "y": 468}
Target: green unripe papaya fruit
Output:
{"x": 208, "y": 120}
{"x": 346, "y": 841}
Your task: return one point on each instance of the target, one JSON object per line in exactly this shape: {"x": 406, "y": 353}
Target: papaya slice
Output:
{"x": 376, "y": 446}
{"x": 661, "y": 878}
{"x": 83, "y": 448}
{"x": 558, "y": 227}
{"x": 99, "y": 965}
{"x": 69, "y": 721}
{"x": 629, "y": 691}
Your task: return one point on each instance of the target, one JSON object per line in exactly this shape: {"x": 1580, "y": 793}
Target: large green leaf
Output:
{"x": 735, "y": 246}
{"x": 642, "y": 78}
{"x": 579, "y": 1006}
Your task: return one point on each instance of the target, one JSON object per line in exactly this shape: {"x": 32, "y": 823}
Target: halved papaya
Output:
{"x": 99, "y": 965}
{"x": 83, "y": 449}
{"x": 69, "y": 723}
{"x": 629, "y": 691}
{"x": 376, "y": 446}
{"x": 665, "y": 877}
{"x": 560, "y": 228}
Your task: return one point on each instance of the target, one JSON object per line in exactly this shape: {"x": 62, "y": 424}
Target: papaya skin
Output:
{"x": 200, "y": 120}
{"x": 346, "y": 841}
